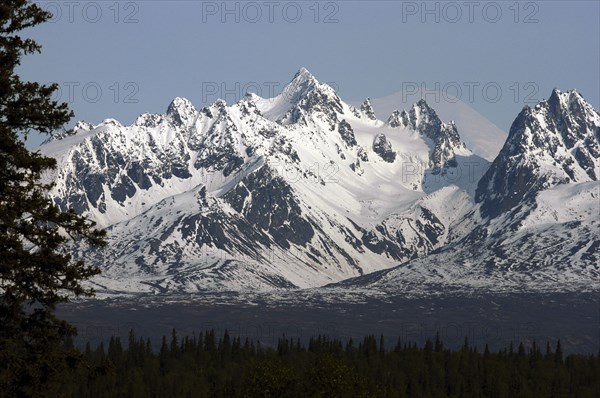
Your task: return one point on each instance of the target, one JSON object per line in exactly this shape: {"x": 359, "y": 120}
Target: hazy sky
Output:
{"x": 120, "y": 59}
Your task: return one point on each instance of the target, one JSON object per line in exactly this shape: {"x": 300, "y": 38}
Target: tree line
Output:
{"x": 207, "y": 365}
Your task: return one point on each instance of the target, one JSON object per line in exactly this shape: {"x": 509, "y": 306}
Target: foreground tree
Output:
{"x": 36, "y": 269}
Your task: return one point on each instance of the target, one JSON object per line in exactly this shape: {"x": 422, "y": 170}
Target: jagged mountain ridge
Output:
{"x": 555, "y": 142}
{"x": 297, "y": 190}
{"x": 479, "y": 134}
{"x": 423, "y": 118}
{"x": 301, "y": 190}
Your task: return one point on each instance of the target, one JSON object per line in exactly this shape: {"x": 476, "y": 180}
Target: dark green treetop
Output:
{"x": 36, "y": 268}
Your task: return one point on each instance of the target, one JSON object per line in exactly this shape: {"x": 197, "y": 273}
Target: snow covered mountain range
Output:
{"x": 303, "y": 190}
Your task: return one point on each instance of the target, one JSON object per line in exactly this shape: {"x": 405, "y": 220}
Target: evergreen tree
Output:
{"x": 163, "y": 355}
{"x": 36, "y": 270}
{"x": 438, "y": 343}
{"x": 174, "y": 344}
{"x": 558, "y": 356}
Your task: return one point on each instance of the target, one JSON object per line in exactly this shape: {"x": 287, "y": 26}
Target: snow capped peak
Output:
{"x": 300, "y": 98}
{"x": 398, "y": 119}
{"x": 555, "y": 93}
{"x": 220, "y": 103}
{"x": 422, "y": 104}
{"x": 367, "y": 109}
{"x": 423, "y": 118}
{"x": 445, "y": 141}
{"x": 83, "y": 125}
{"x": 569, "y": 94}
{"x": 179, "y": 103}
{"x": 567, "y": 114}
{"x": 569, "y": 101}
{"x": 111, "y": 122}
{"x": 557, "y": 98}
{"x": 443, "y": 138}
{"x": 247, "y": 105}
{"x": 181, "y": 110}
{"x": 303, "y": 74}
{"x": 305, "y": 88}
{"x": 556, "y": 142}
{"x": 302, "y": 83}
{"x": 421, "y": 114}
{"x": 80, "y": 126}
{"x": 219, "y": 107}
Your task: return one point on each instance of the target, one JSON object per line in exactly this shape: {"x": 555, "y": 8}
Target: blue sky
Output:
{"x": 120, "y": 59}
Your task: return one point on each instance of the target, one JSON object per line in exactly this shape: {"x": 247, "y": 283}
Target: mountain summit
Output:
{"x": 556, "y": 142}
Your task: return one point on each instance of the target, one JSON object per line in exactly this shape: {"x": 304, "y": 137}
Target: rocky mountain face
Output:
{"x": 444, "y": 137}
{"x": 536, "y": 221}
{"x": 295, "y": 191}
{"x": 556, "y": 142}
